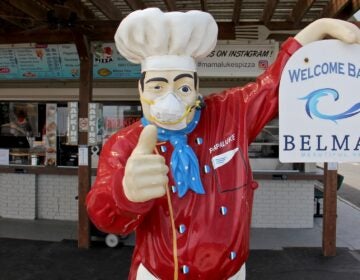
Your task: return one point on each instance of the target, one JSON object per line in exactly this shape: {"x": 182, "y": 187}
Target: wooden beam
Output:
{"x": 84, "y": 169}
{"x": 236, "y": 12}
{"x": 334, "y": 8}
{"x": 103, "y": 32}
{"x": 226, "y": 31}
{"x": 349, "y": 10}
{"x": 76, "y": 6}
{"x": 276, "y": 25}
{"x": 82, "y": 11}
{"x": 299, "y": 11}
{"x": 44, "y": 36}
{"x": 170, "y": 5}
{"x": 135, "y": 4}
{"x": 330, "y": 204}
{"x": 108, "y": 9}
{"x": 11, "y": 21}
{"x": 12, "y": 15}
{"x": 355, "y": 5}
{"x": 29, "y": 8}
{"x": 279, "y": 37}
{"x": 49, "y": 4}
{"x": 269, "y": 10}
{"x": 204, "y": 5}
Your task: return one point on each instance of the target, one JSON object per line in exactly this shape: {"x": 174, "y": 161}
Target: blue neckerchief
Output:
{"x": 184, "y": 163}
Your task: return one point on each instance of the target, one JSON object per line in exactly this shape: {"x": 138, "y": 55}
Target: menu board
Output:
{"x": 8, "y": 64}
{"x": 108, "y": 63}
{"x": 62, "y": 62}
{"x": 69, "y": 61}
{"x": 51, "y": 134}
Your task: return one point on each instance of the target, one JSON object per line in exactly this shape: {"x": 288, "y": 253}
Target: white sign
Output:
{"x": 4, "y": 156}
{"x": 51, "y": 134}
{"x": 83, "y": 124}
{"x": 94, "y": 131}
{"x": 238, "y": 60}
{"x": 332, "y": 166}
{"x": 83, "y": 155}
{"x": 73, "y": 123}
{"x": 320, "y": 104}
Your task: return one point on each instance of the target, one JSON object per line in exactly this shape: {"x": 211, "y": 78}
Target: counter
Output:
{"x": 284, "y": 199}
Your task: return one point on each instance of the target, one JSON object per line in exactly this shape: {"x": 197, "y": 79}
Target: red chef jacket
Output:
{"x": 212, "y": 229}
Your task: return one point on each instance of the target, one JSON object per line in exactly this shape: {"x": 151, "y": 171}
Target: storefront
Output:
{"x": 39, "y": 165}
{"x": 40, "y": 180}
{"x": 40, "y": 123}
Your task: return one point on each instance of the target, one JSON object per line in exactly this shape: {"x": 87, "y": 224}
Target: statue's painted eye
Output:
{"x": 185, "y": 89}
{"x": 157, "y": 87}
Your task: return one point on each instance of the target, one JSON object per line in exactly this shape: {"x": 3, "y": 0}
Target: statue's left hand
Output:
{"x": 328, "y": 27}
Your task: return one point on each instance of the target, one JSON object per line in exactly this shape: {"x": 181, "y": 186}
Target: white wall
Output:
{"x": 18, "y": 194}
{"x": 56, "y": 197}
{"x": 277, "y": 204}
{"x": 284, "y": 204}
{"x": 56, "y": 94}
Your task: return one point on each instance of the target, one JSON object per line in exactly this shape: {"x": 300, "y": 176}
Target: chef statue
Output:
{"x": 180, "y": 178}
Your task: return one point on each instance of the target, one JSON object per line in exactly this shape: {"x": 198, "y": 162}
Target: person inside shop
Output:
{"x": 180, "y": 178}
{"x": 20, "y": 126}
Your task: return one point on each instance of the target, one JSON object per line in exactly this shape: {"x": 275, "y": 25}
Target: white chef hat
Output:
{"x": 166, "y": 41}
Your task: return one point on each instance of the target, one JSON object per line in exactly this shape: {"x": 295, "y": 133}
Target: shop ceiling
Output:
{"x": 55, "y": 21}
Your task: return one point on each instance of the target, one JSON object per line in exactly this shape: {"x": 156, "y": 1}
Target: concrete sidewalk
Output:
{"x": 276, "y": 254}
{"x": 348, "y": 231}
{"x": 42, "y": 260}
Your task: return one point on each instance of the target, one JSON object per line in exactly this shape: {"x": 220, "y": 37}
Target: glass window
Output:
{"x": 19, "y": 119}
{"x": 39, "y": 133}
{"x": 116, "y": 117}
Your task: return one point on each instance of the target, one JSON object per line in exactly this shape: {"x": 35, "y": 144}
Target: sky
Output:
{"x": 357, "y": 15}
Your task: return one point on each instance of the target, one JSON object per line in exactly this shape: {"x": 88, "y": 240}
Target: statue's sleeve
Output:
{"x": 252, "y": 106}
{"x": 107, "y": 206}
{"x": 261, "y": 97}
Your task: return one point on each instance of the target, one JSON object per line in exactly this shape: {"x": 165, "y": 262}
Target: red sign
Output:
{"x": 4, "y": 70}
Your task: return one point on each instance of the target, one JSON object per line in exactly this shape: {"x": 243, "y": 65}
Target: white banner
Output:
{"x": 230, "y": 60}
{"x": 320, "y": 104}
{"x": 95, "y": 124}
{"x": 51, "y": 134}
{"x": 72, "y": 123}
{"x": 4, "y": 156}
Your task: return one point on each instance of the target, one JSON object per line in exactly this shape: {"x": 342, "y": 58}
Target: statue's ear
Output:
{"x": 141, "y": 83}
{"x": 139, "y": 87}
{"x": 196, "y": 81}
{"x": 200, "y": 103}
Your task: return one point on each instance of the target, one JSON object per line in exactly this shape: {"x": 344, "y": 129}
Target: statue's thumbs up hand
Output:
{"x": 145, "y": 172}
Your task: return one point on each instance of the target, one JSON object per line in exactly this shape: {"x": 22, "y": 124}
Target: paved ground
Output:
{"x": 350, "y": 194}
{"x": 270, "y": 258}
{"x": 281, "y": 254}
{"x": 350, "y": 190}
{"x": 42, "y": 260}
{"x": 348, "y": 228}
{"x": 351, "y": 172}
{"x": 302, "y": 264}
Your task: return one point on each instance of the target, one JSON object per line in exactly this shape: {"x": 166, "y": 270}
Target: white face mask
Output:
{"x": 169, "y": 112}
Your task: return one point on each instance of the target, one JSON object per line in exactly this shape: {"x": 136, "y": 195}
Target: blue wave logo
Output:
{"x": 313, "y": 100}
